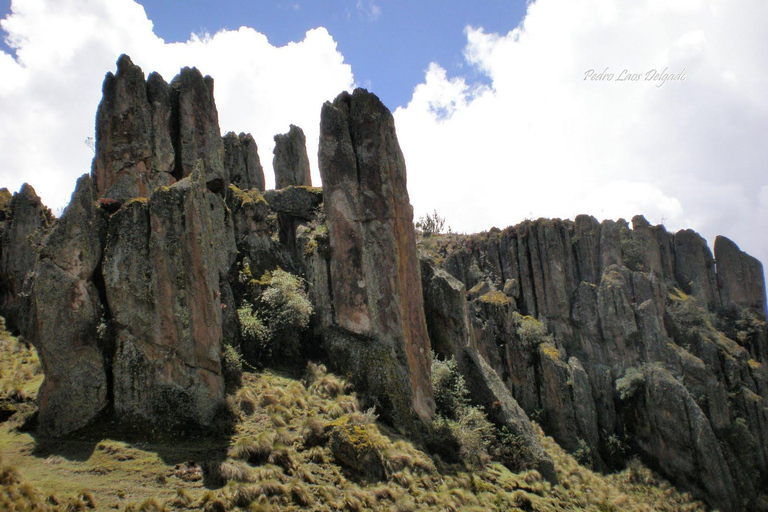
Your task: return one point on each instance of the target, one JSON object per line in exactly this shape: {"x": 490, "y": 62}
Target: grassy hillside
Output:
{"x": 295, "y": 444}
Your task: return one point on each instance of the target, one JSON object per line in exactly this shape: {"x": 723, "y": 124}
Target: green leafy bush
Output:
{"x": 275, "y": 325}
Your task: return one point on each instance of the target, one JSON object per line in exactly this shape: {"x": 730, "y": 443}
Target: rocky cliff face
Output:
{"x": 619, "y": 341}
{"x": 379, "y": 331}
{"x": 66, "y": 310}
{"x": 24, "y": 226}
{"x": 625, "y": 341}
{"x": 162, "y": 269}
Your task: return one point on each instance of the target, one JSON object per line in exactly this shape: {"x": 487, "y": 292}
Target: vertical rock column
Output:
{"x": 65, "y": 313}
{"x": 162, "y": 268}
{"x": 379, "y": 333}
{"x": 134, "y": 152}
{"x": 27, "y": 224}
{"x": 291, "y": 163}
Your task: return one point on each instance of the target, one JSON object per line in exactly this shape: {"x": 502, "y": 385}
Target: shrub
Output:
{"x": 275, "y": 325}
{"x": 431, "y": 224}
{"x": 461, "y": 432}
{"x": 630, "y": 383}
{"x": 530, "y": 331}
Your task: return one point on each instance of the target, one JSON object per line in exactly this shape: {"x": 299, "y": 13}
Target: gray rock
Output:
{"x": 134, "y": 153}
{"x": 374, "y": 271}
{"x": 27, "y": 223}
{"x": 241, "y": 160}
{"x": 162, "y": 268}
{"x": 740, "y": 277}
{"x": 290, "y": 162}
{"x": 66, "y": 311}
{"x": 195, "y": 130}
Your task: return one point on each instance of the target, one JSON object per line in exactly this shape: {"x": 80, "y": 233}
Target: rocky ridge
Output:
{"x": 621, "y": 342}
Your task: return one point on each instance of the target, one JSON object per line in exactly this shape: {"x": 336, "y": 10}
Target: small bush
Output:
{"x": 632, "y": 381}
{"x": 461, "y": 432}
{"x": 274, "y": 326}
{"x": 530, "y": 331}
{"x": 430, "y": 224}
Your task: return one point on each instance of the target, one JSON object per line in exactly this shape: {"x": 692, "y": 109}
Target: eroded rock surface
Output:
{"x": 241, "y": 160}
{"x": 26, "y": 222}
{"x": 66, "y": 311}
{"x": 380, "y": 332}
{"x": 589, "y": 310}
{"x": 162, "y": 269}
{"x": 291, "y": 163}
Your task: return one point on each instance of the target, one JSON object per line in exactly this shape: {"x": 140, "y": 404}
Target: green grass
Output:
{"x": 279, "y": 457}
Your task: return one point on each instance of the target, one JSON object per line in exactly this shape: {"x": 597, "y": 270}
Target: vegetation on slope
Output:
{"x": 297, "y": 444}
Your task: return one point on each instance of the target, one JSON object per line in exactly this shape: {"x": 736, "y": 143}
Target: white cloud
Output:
{"x": 542, "y": 141}
{"x": 49, "y": 93}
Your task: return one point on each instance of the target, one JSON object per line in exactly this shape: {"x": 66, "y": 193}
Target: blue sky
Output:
{"x": 493, "y": 109}
{"x": 389, "y": 43}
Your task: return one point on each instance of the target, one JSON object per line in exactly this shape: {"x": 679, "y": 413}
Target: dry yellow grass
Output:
{"x": 278, "y": 458}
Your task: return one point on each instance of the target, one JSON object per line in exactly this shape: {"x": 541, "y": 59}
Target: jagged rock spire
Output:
{"x": 291, "y": 163}
{"x": 381, "y": 335}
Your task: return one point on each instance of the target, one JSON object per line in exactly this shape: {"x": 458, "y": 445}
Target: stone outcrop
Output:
{"x": 150, "y": 134}
{"x": 26, "y": 222}
{"x": 740, "y": 277}
{"x": 241, "y": 161}
{"x": 195, "y": 128}
{"x": 162, "y": 269}
{"x": 379, "y": 331}
{"x": 567, "y": 312}
{"x": 452, "y": 336}
{"x": 291, "y": 163}
{"x": 66, "y": 310}
{"x": 134, "y": 152}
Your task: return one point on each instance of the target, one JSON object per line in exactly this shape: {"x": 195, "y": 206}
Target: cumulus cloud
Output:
{"x": 543, "y": 141}
{"x": 51, "y": 87}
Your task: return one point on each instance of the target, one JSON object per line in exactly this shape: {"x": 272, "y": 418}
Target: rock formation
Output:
{"x": 291, "y": 163}
{"x": 162, "y": 267}
{"x": 134, "y": 150}
{"x": 379, "y": 333}
{"x": 617, "y": 340}
{"x": 66, "y": 310}
{"x": 25, "y": 223}
{"x": 241, "y": 161}
{"x": 195, "y": 128}
{"x": 150, "y": 134}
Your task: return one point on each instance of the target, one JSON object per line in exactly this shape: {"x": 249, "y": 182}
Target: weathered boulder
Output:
{"x": 291, "y": 163}
{"x": 297, "y": 202}
{"x": 26, "y": 224}
{"x": 241, "y": 161}
{"x": 740, "y": 277}
{"x": 163, "y": 264}
{"x": 66, "y": 311}
{"x": 134, "y": 153}
{"x": 195, "y": 128}
{"x": 375, "y": 284}
{"x": 295, "y": 206}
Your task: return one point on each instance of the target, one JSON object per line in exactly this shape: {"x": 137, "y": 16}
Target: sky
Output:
{"x": 504, "y": 110}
